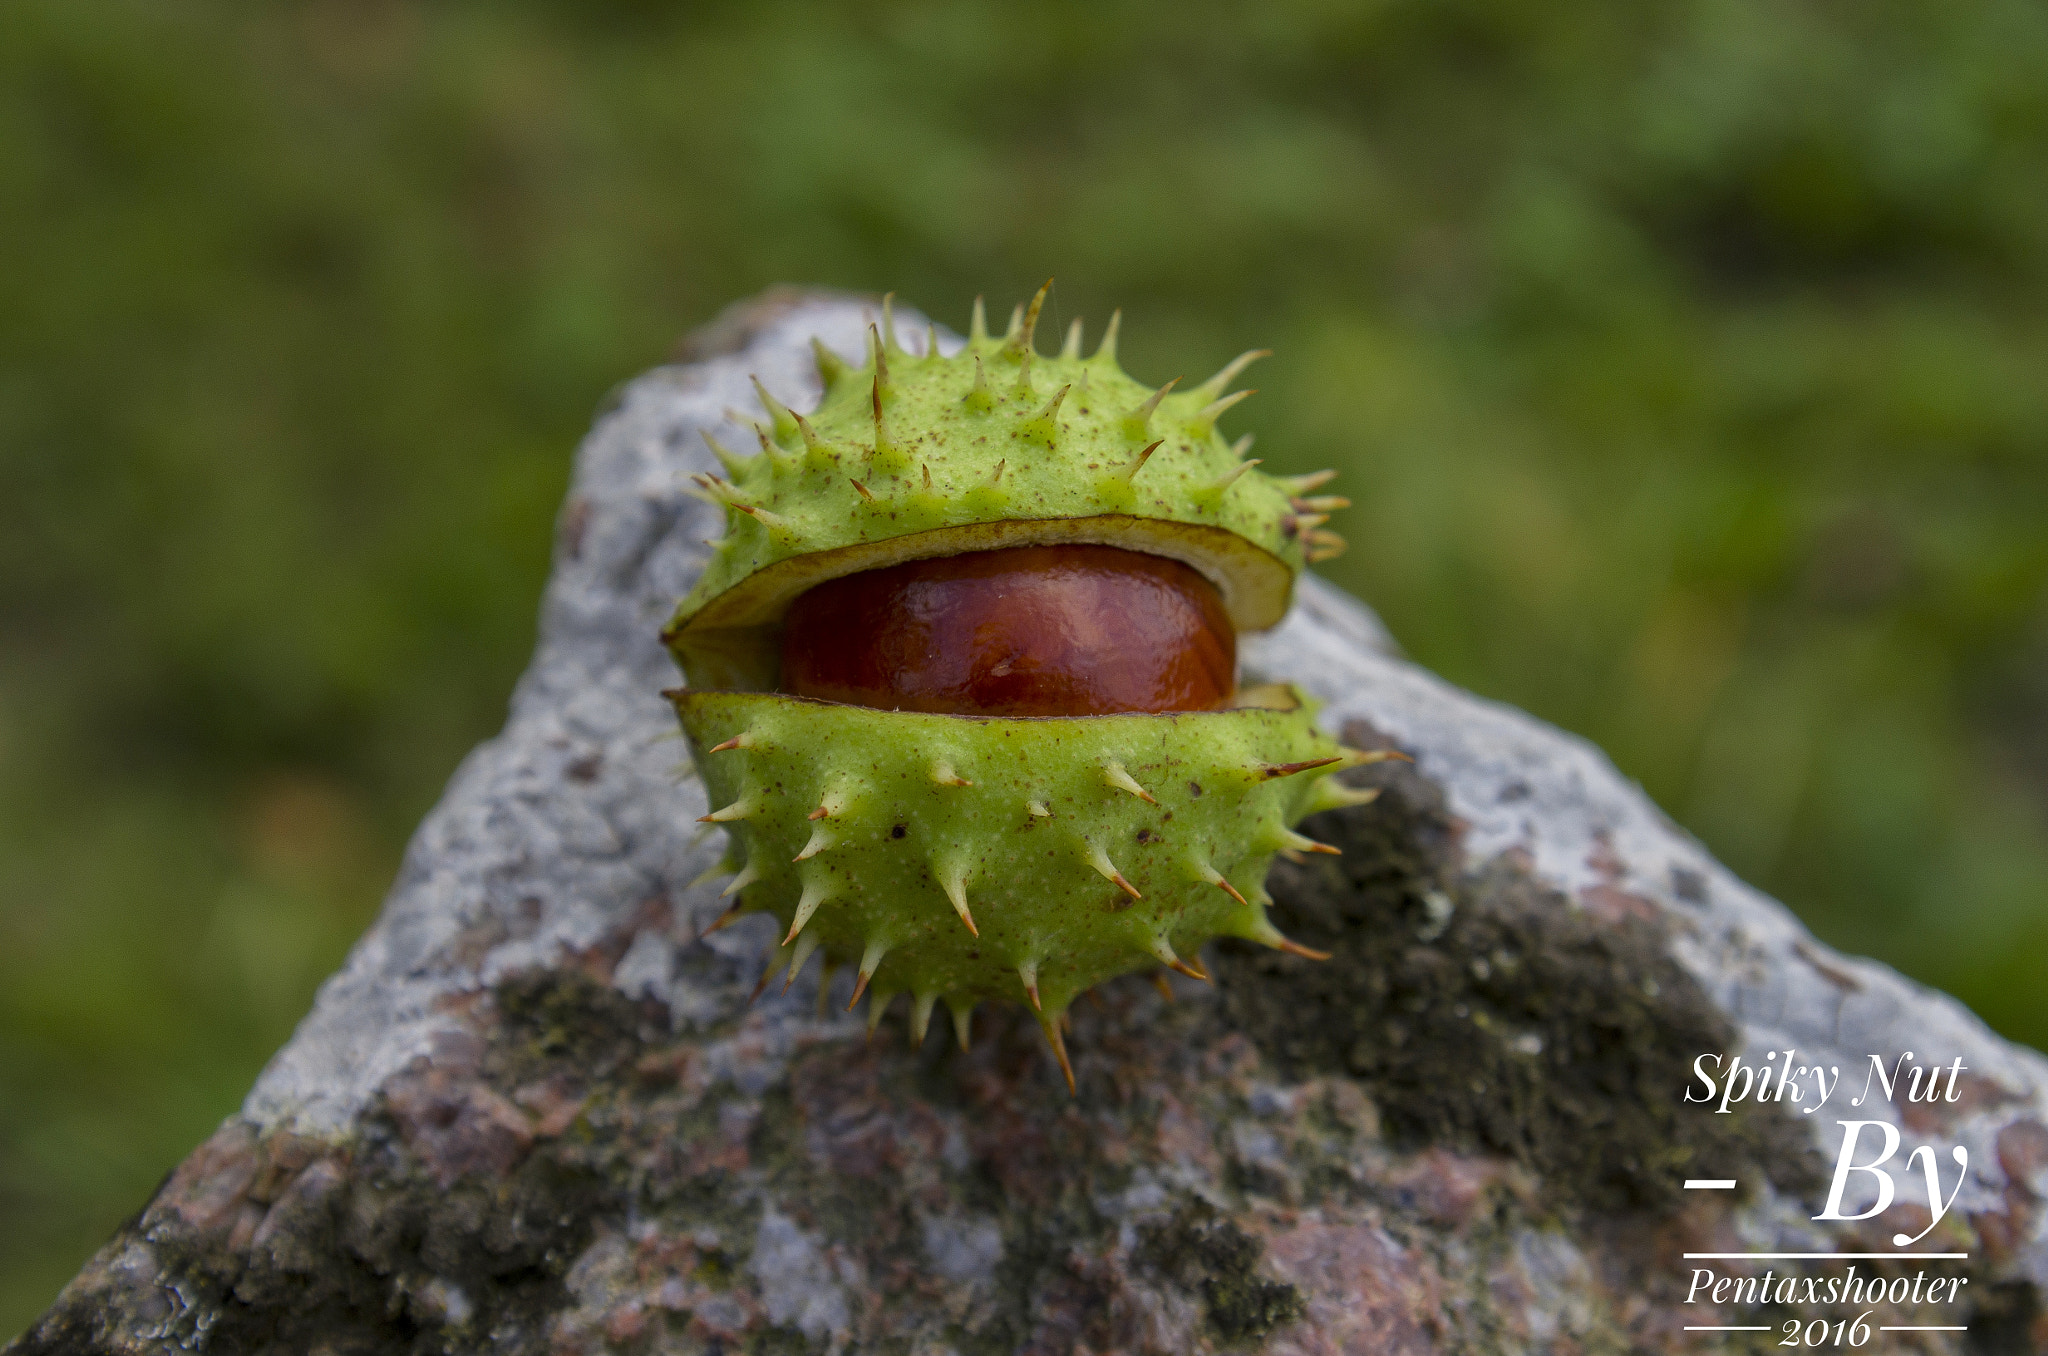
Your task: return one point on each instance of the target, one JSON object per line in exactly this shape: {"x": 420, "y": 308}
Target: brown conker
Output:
{"x": 1070, "y": 630}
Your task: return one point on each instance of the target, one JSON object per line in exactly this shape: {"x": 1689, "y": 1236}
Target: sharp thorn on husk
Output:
{"x": 1365, "y": 757}
{"x": 1138, "y": 462}
{"x": 979, "y": 396}
{"x": 804, "y": 948}
{"x": 1027, "y": 327}
{"x": 953, "y": 880}
{"x": 1213, "y": 387}
{"x": 889, "y": 325}
{"x": 1099, "y": 859}
{"x": 1217, "y": 878}
{"x": 1059, "y": 1050}
{"x": 1114, "y": 773}
{"x": 1163, "y": 952}
{"x": 809, "y": 434}
{"x": 1289, "y": 769}
{"x": 1140, "y": 419}
{"x": 871, "y": 958}
{"x": 779, "y": 414}
{"x": 1299, "y": 485}
{"x": 1105, "y": 352}
{"x": 807, "y": 904}
{"x": 820, "y": 839}
{"x": 735, "y": 465}
{"x": 1231, "y": 476}
{"x": 1303, "y": 843}
{"x": 880, "y": 357}
{"x": 831, "y": 367}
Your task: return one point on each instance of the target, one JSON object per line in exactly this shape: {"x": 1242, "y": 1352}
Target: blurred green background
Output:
{"x": 1688, "y": 363}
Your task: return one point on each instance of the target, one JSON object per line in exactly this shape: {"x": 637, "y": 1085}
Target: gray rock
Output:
{"x": 533, "y": 1112}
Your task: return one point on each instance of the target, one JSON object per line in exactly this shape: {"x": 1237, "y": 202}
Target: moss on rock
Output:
{"x": 1483, "y": 1009}
{"x": 1208, "y": 1255}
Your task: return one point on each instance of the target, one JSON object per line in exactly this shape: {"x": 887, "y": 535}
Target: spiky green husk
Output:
{"x": 963, "y": 859}
{"x": 922, "y": 455}
{"x": 1081, "y": 848}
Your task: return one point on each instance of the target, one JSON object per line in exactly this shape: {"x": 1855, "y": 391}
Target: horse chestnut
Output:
{"x": 1027, "y": 631}
{"x": 961, "y": 675}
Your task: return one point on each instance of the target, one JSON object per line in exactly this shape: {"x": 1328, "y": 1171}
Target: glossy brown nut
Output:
{"x": 1027, "y": 631}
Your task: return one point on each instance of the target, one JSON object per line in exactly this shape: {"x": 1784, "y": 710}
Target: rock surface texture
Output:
{"x": 534, "y": 1113}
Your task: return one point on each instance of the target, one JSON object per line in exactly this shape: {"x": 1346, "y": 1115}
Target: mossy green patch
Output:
{"x": 564, "y": 1015}
{"x": 1482, "y": 1010}
{"x": 1212, "y": 1257}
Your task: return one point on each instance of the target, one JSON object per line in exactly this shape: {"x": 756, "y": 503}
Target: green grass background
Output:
{"x": 1688, "y": 363}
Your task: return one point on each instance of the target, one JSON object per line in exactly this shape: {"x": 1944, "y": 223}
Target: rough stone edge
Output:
{"x": 513, "y": 827}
